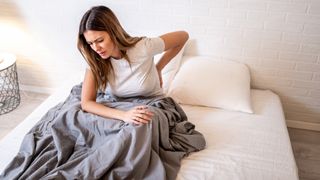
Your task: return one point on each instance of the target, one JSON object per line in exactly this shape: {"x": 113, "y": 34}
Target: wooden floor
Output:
{"x": 306, "y": 148}
{"x": 29, "y": 101}
{"x": 305, "y": 144}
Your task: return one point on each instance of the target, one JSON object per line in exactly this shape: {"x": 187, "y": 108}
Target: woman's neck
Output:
{"x": 116, "y": 54}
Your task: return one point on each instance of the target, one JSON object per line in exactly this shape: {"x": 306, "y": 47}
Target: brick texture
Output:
{"x": 278, "y": 39}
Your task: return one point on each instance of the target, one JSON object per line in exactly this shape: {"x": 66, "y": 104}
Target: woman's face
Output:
{"x": 102, "y": 44}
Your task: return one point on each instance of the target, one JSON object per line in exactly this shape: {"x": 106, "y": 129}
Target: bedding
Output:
{"x": 239, "y": 145}
{"x": 68, "y": 143}
{"x": 206, "y": 81}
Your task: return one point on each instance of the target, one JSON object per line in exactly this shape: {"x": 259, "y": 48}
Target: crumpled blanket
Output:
{"x": 68, "y": 143}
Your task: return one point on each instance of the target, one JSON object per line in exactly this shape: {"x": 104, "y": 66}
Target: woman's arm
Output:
{"x": 174, "y": 42}
{"x": 137, "y": 115}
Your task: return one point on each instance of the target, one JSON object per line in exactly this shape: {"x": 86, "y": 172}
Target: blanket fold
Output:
{"x": 68, "y": 143}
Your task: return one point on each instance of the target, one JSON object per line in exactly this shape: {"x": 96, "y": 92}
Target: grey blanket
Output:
{"x": 68, "y": 143}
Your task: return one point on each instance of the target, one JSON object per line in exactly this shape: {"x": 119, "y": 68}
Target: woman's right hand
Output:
{"x": 138, "y": 115}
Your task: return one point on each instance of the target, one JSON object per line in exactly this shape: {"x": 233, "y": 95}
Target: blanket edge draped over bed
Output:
{"x": 68, "y": 143}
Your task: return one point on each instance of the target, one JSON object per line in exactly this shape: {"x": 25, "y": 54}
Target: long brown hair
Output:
{"x": 101, "y": 18}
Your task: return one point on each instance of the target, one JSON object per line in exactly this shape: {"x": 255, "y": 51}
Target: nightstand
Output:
{"x": 9, "y": 86}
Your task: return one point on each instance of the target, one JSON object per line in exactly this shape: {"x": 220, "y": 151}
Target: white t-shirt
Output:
{"x": 141, "y": 79}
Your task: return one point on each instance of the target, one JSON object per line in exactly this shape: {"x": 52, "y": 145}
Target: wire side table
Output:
{"x": 9, "y": 86}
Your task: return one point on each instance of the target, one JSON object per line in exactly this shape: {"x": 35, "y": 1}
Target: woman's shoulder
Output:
{"x": 151, "y": 42}
{"x": 148, "y": 46}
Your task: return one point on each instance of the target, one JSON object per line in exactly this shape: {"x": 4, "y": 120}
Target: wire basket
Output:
{"x": 9, "y": 89}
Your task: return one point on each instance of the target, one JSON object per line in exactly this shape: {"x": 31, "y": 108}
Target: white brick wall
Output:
{"x": 278, "y": 39}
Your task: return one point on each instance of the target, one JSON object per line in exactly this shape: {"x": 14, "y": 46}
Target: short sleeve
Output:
{"x": 154, "y": 45}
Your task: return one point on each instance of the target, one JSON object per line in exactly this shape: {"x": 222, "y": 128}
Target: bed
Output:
{"x": 244, "y": 128}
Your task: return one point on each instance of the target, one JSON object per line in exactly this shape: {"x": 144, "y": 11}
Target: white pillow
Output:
{"x": 206, "y": 82}
{"x": 170, "y": 70}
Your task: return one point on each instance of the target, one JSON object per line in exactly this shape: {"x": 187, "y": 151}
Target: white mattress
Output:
{"x": 242, "y": 146}
{"x": 239, "y": 145}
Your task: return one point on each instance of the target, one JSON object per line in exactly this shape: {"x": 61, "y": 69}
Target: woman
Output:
{"x": 123, "y": 62}
{"x": 68, "y": 143}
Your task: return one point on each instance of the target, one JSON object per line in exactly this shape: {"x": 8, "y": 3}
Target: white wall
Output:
{"x": 278, "y": 39}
